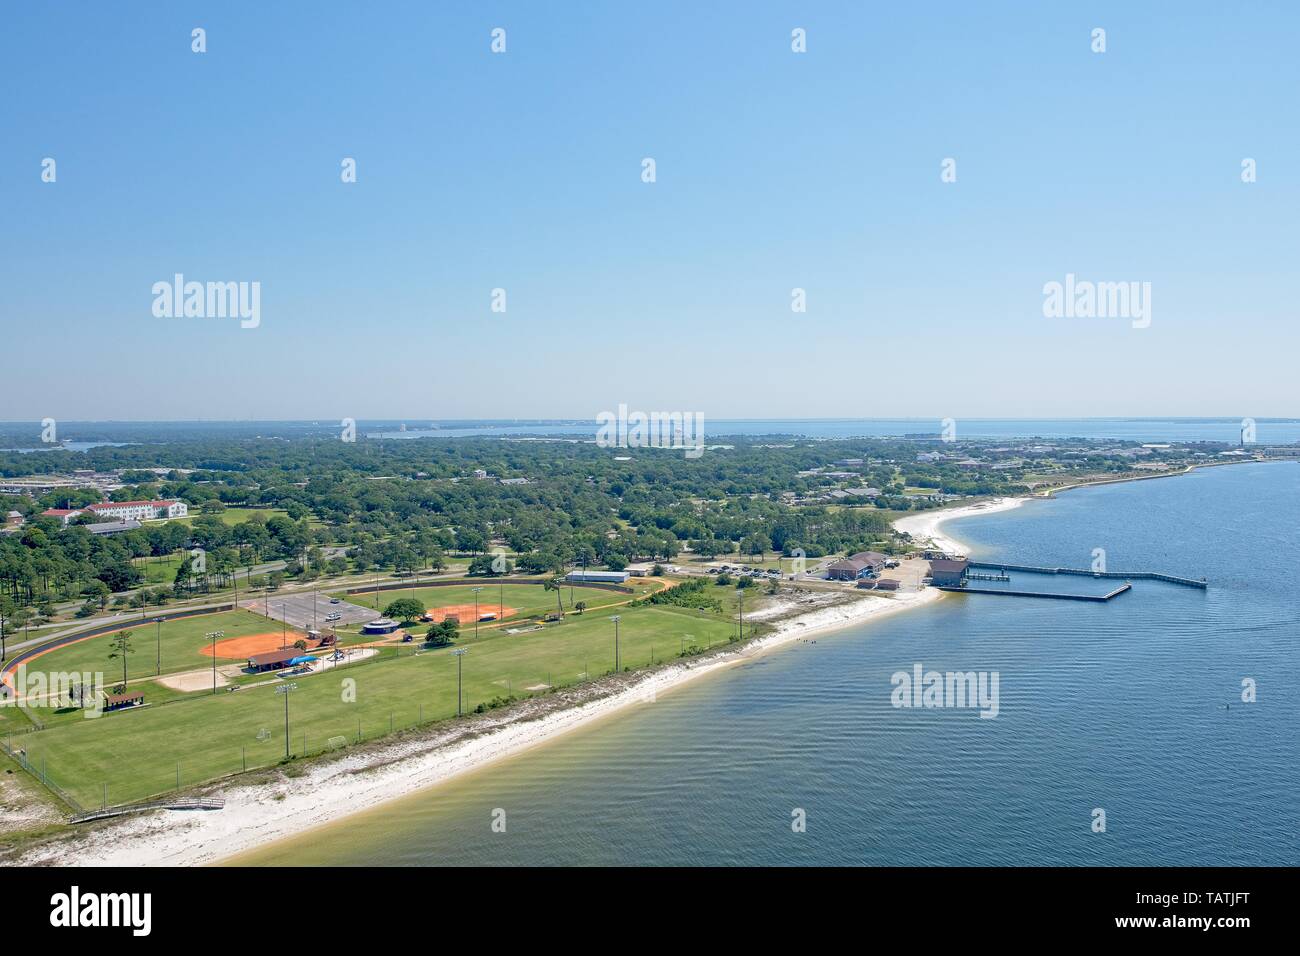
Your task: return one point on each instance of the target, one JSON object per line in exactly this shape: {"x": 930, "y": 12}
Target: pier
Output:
{"x": 1039, "y": 594}
{"x": 1127, "y": 575}
{"x": 977, "y": 576}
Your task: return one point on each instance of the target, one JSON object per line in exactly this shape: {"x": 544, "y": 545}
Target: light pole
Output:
{"x": 158, "y": 666}
{"x": 740, "y": 596}
{"x": 285, "y": 691}
{"x": 212, "y": 636}
{"x": 458, "y": 653}
{"x": 284, "y": 627}
{"x": 616, "y": 618}
{"x": 476, "y": 590}
{"x": 501, "y": 600}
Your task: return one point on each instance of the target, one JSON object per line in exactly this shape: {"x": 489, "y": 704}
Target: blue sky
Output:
{"x": 522, "y": 171}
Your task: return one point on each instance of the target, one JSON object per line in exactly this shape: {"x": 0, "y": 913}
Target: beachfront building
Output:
{"x": 947, "y": 572}
{"x": 856, "y": 566}
{"x": 884, "y": 584}
{"x": 139, "y": 510}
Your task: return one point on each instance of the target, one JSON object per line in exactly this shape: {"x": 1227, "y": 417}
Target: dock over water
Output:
{"x": 1126, "y": 575}
{"x": 1040, "y": 594}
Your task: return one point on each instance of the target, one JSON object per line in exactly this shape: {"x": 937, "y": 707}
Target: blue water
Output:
{"x": 1268, "y": 431}
{"x": 1221, "y": 429}
{"x": 1118, "y": 706}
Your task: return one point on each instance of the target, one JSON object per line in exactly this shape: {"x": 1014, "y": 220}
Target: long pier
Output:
{"x": 1039, "y": 594}
{"x": 1084, "y": 572}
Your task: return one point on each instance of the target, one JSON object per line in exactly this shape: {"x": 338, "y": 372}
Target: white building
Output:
{"x": 601, "y": 577}
{"x": 140, "y": 510}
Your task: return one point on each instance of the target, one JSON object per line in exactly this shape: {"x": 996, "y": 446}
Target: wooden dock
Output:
{"x": 1083, "y": 572}
{"x": 1040, "y": 594}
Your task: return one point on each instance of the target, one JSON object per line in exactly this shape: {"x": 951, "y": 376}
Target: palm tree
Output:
{"x": 555, "y": 584}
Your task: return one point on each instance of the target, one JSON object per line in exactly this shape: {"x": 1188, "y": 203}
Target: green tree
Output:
{"x": 405, "y": 610}
{"x": 556, "y": 584}
{"x": 121, "y": 644}
{"x": 442, "y": 633}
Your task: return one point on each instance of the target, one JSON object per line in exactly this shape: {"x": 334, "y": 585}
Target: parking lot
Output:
{"x": 308, "y": 611}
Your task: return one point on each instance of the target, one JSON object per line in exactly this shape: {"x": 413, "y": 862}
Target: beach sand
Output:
{"x": 925, "y": 525}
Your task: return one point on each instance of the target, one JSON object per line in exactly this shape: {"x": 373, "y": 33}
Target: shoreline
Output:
{"x": 263, "y": 812}
{"x": 258, "y": 814}
{"x": 925, "y": 525}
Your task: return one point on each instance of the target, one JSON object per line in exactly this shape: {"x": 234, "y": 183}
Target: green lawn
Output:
{"x": 136, "y": 753}
{"x": 160, "y": 570}
{"x": 528, "y": 600}
{"x": 181, "y": 641}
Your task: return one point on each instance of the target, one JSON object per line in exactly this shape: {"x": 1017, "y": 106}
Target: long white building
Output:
{"x": 140, "y": 510}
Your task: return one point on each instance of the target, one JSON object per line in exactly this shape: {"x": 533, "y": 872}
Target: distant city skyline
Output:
{"x": 781, "y": 179}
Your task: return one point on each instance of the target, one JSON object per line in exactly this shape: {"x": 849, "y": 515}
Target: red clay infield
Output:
{"x": 242, "y": 648}
{"x": 466, "y": 611}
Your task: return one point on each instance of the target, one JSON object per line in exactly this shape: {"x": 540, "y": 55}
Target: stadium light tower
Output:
{"x": 458, "y": 653}
{"x": 212, "y": 636}
{"x": 285, "y": 691}
{"x": 476, "y": 590}
{"x": 158, "y": 621}
{"x": 616, "y": 618}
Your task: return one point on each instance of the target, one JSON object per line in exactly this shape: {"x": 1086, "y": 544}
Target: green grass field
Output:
{"x": 160, "y": 570}
{"x": 233, "y": 516}
{"x": 137, "y": 753}
{"x": 528, "y": 600}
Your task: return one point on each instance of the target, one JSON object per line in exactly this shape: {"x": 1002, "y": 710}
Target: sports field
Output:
{"x": 138, "y": 753}
{"x": 509, "y": 601}
{"x": 182, "y": 644}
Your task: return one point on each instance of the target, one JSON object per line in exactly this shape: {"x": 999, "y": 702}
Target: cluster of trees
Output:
{"x": 692, "y": 592}
{"x": 327, "y": 507}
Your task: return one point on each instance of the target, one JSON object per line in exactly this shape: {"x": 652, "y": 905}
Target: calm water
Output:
{"x": 88, "y": 435}
{"x": 1118, "y": 706}
{"x": 1268, "y": 430}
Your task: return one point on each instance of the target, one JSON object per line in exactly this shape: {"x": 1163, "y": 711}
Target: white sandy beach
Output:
{"x": 925, "y": 525}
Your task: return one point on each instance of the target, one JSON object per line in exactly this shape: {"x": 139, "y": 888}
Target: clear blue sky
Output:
{"x": 522, "y": 171}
